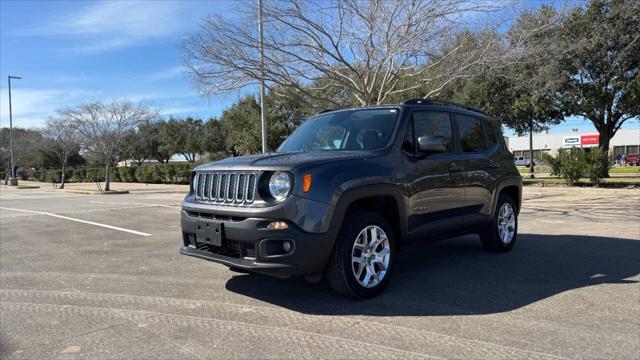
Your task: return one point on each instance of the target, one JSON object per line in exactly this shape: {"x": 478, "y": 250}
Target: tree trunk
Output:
{"x": 64, "y": 162}
{"x": 106, "y": 176}
{"x": 604, "y": 141}
{"x": 531, "y": 164}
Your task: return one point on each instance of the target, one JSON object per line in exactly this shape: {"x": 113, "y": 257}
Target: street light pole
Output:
{"x": 263, "y": 114}
{"x": 13, "y": 181}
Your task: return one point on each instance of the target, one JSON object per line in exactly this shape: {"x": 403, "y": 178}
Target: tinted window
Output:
{"x": 362, "y": 129}
{"x": 472, "y": 136}
{"x": 434, "y": 123}
{"x": 491, "y": 133}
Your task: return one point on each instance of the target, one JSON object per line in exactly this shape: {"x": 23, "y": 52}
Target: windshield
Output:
{"x": 362, "y": 129}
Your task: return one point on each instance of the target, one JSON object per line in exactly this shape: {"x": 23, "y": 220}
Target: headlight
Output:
{"x": 280, "y": 185}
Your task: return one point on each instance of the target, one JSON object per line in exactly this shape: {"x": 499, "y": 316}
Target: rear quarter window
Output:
{"x": 472, "y": 134}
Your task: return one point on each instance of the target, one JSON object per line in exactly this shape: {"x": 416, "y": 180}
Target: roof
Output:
{"x": 430, "y": 102}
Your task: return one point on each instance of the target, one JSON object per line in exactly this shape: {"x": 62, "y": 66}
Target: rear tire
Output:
{"x": 500, "y": 235}
{"x": 362, "y": 259}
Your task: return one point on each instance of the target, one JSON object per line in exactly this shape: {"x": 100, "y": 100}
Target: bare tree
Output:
{"x": 369, "y": 47}
{"x": 65, "y": 141}
{"x": 104, "y": 127}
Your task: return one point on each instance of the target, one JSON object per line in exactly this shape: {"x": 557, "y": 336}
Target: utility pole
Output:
{"x": 263, "y": 114}
{"x": 13, "y": 180}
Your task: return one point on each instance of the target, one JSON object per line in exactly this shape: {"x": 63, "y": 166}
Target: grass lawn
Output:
{"x": 539, "y": 169}
{"x": 614, "y": 170}
{"x": 625, "y": 170}
{"x": 608, "y": 182}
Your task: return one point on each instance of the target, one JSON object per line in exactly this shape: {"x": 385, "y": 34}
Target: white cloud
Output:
{"x": 168, "y": 73}
{"x": 111, "y": 25}
{"x": 31, "y": 108}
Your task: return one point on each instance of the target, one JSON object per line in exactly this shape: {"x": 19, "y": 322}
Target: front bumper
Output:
{"x": 246, "y": 243}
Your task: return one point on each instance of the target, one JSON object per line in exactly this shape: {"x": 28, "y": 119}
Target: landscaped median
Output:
{"x": 116, "y": 187}
{"x": 171, "y": 173}
{"x": 611, "y": 182}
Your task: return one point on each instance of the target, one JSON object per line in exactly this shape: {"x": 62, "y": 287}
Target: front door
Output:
{"x": 480, "y": 170}
{"x": 434, "y": 182}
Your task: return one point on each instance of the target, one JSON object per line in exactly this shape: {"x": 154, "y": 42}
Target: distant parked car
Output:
{"x": 523, "y": 161}
{"x": 633, "y": 160}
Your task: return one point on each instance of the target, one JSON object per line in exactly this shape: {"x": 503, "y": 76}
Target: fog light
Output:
{"x": 277, "y": 225}
{"x": 286, "y": 246}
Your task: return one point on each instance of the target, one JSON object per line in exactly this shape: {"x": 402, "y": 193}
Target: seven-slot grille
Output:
{"x": 225, "y": 187}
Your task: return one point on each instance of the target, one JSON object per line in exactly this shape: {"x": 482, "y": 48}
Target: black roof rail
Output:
{"x": 441, "y": 102}
{"x": 325, "y": 111}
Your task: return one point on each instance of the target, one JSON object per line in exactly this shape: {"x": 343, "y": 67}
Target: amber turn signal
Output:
{"x": 306, "y": 183}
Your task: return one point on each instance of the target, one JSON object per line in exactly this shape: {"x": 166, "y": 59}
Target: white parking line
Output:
{"x": 137, "y": 203}
{"x": 77, "y": 220}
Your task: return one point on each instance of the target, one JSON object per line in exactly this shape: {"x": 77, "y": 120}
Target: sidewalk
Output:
{"x": 115, "y": 186}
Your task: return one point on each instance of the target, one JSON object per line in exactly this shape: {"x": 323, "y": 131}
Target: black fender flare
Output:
{"x": 515, "y": 181}
{"x": 349, "y": 196}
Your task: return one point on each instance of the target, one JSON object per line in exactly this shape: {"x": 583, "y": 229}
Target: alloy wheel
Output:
{"x": 370, "y": 256}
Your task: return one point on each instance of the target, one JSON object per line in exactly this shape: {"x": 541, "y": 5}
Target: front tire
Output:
{"x": 500, "y": 235}
{"x": 362, "y": 259}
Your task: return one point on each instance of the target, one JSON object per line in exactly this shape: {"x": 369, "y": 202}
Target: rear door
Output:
{"x": 434, "y": 182}
{"x": 478, "y": 145}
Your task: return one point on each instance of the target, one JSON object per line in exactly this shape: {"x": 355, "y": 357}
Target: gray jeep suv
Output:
{"x": 349, "y": 188}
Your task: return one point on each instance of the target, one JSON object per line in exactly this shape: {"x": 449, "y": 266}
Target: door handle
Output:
{"x": 493, "y": 164}
{"x": 454, "y": 168}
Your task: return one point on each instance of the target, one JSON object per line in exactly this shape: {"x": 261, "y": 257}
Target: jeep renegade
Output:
{"x": 348, "y": 188}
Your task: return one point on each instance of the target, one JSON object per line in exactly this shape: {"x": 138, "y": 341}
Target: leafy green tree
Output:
{"x": 521, "y": 95}
{"x": 29, "y": 148}
{"x": 141, "y": 144}
{"x": 184, "y": 137}
{"x": 162, "y": 145}
{"x": 214, "y": 142}
{"x": 285, "y": 112}
{"x": 600, "y": 65}
{"x": 241, "y": 126}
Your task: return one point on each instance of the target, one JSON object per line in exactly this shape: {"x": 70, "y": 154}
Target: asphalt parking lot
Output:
{"x": 90, "y": 276}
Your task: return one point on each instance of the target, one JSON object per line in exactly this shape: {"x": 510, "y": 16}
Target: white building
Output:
{"x": 626, "y": 141}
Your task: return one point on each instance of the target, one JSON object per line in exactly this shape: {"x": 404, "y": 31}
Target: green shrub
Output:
{"x": 172, "y": 173}
{"x": 596, "y": 165}
{"x": 576, "y": 163}
{"x": 94, "y": 174}
{"x": 568, "y": 164}
{"x": 78, "y": 175}
{"x": 126, "y": 173}
{"x": 183, "y": 173}
{"x": 147, "y": 174}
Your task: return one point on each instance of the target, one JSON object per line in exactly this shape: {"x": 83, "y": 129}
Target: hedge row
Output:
{"x": 156, "y": 173}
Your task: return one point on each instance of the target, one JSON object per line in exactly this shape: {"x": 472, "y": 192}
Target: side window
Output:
{"x": 433, "y": 123}
{"x": 491, "y": 132}
{"x": 472, "y": 137}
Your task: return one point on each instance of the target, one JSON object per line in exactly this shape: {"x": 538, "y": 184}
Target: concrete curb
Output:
{"x": 95, "y": 192}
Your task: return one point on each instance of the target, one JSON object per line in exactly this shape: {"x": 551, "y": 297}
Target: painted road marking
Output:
{"x": 77, "y": 220}
{"x": 82, "y": 211}
{"x": 137, "y": 203}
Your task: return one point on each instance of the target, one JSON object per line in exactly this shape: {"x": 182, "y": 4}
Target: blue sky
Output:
{"x": 73, "y": 51}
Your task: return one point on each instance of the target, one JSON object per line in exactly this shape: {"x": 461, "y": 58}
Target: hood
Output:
{"x": 281, "y": 161}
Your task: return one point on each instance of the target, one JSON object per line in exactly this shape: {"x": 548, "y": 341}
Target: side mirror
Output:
{"x": 432, "y": 144}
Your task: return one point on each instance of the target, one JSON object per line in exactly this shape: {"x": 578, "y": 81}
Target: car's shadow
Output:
{"x": 456, "y": 277}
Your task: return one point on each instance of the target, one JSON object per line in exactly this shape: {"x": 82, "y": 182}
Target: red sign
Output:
{"x": 590, "y": 139}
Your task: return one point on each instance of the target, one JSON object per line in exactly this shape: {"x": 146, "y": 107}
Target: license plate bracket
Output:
{"x": 209, "y": 232}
